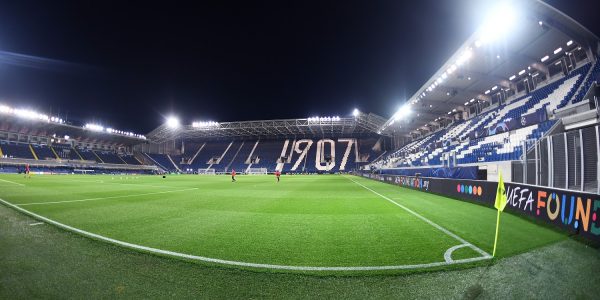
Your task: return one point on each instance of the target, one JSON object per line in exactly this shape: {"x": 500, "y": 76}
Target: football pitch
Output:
{"x": 320, "y": 224}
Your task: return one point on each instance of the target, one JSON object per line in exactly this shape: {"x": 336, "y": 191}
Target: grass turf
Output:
{"x": 301, "y": 221}
{"x": 43, "y": 261}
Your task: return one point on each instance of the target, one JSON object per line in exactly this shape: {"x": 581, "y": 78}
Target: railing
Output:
{"x": 567, "y": 160}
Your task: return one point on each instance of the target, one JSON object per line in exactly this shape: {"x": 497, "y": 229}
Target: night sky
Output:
{"x": 128, "y": 65}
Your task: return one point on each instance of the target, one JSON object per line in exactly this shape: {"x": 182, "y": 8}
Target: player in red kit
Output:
{"x": 232, "y": 175}
{"x": 277, "y": 174}
{"x": 27, "y": 175}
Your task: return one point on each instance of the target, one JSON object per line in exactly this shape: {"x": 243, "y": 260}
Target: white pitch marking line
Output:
{"x": 238, "y": 263}
{"x": 442, "y": 229}
{"x": 104, "y": 198}
{"x": 448, "y": 253}
{"x": 12, "y": 182}
{"x": 36, "y": 224}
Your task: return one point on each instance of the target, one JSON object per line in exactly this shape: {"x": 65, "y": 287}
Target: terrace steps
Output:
{"x": 54, "y": 151}
{"x": 33, "y": 152}
{"x": 97, "y": 156}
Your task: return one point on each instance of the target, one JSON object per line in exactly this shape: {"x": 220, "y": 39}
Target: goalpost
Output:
{"x": 256, "y": 171}
{"x": 206, "y": 172}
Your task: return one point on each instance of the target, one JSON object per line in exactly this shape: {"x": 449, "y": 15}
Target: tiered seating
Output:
{"x": 65, "y": 152}
{"x": 88, "y": 155}
{"x": 109, "y": 157}
{"x": 16, "y": 150}
{"x": 268, "y": 152}
{"x": 227, "y": 156}
{"x": 130, "y": 160}
{"x": 162, "y": 161}
{"x": 239, "y": 162}
{"x": 492, "y": 147}
{"x": 43, "y": 152}
{"x": 591, "y": 77}
{"x": 212, "y": 149}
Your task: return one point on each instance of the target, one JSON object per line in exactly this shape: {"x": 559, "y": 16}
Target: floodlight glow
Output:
{"x": 487, "y": 92}
{"x": 499, "y": 23}
{"x": 355, "y": 112}
{"x": 494, "y": 88}
{"x": 521, "y": 72}
{"x": 402, "y": 112}
{"x": 558, "y": 63}
{"x": 467, "y": 103}
{"x": 5, "y": 109}
{"x": 472, "y": 100}
{"x": 512, "y": 77}
{"x": 569, "y": 43}
{"x": 557, "y": 50}
{"x": 94, "y": 127}
{"x": 545, "y": 58}
{"x": 172, "y": 122}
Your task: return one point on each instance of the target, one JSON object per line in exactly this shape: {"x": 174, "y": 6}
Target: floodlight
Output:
{"x": 545, "y": 58}
{"x": 521, "y": 72}
{"x": 402, "y": 112}
{"x": 512, "y": 77}
{"x": 487, "y": 92}
{"x": 494, "y": 88}
{"x": 557, "y": 50}
{"x": 355, "y": 112}
{"x": 499, "y": 23}
{"x": 466, "y": 103}
{"x": 172, "y": 122}
{"x": 472, "y": 100}
{"x": 569, "y": 43}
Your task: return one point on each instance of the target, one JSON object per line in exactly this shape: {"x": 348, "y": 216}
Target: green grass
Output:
{"x": 302, "y": 221}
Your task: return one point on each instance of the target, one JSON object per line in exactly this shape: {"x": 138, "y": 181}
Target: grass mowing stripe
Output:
{"x": 237, "y": 263}
{"x": 105, "y": 198}
{"x": 444, "y": 230}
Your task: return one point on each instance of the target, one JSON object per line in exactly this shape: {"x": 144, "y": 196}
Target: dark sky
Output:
{"x": 129, "y": 65}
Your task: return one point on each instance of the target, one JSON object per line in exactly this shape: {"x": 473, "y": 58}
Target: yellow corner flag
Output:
{"x": 500, "y": 204}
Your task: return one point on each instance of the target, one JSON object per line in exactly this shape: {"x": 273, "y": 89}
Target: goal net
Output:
{"x": 256, "y": 171}
{"x": 206, "y": 172}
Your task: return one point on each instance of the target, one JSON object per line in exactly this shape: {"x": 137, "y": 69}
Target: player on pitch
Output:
{"x": 277, "y": 174}
{"x": 27, "y": 174}
{"x": 232, "y": 175}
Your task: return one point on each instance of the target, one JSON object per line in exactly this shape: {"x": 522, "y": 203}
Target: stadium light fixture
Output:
{"x": 487, "y": 92}
{"x": 557, "y": 50}
{"x": 521, "y": 72}
{"x": 569, "y": 43}
{"x": 94, "y": 127}
{"x": 545, "y": 58}
{"x": 355, "y": 112}
{"x": 472, "y": 100}
{"x": 500, "y": 22}
{"x": 172, "y": 122}
{"x": 494, "y": 88}
{"x": 512, "y": 77}
{"x": 402, "y": 112}
{"x": 466, "y": 103}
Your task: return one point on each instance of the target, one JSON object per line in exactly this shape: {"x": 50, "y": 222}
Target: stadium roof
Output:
{"x": 514, "y": 41}
{"x": 360, "y": 124}
{"x": 35, "y": 124}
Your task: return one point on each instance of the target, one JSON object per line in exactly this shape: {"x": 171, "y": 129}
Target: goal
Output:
{"x": 206, "y": 172}
{"x": 256, "y": 171}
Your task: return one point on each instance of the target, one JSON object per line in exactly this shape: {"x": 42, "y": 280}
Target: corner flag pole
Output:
{"x": 499, "y": 204}
{"x": 496, "y": 238}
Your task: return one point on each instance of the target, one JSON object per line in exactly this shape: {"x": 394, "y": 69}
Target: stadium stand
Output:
{"x": 494, "y": 145}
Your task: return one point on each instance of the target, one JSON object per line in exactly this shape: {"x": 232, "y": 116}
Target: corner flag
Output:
{"x": 500, "y": 204}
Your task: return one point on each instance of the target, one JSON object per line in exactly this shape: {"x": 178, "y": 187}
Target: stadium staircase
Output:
{"x": 173, "y": 163}
{"x": 33, "y": 152}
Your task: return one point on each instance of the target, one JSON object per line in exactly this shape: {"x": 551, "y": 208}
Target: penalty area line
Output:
{"x": 231, "y": 262}
{"x": 105, "y": 198}
{"x": 442, "y": 229}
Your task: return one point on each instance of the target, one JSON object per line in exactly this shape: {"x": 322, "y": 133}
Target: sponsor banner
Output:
{"x": 511, "y": 124}
{"x": 573, "y": 211}
{"x": 454, "y": 172}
